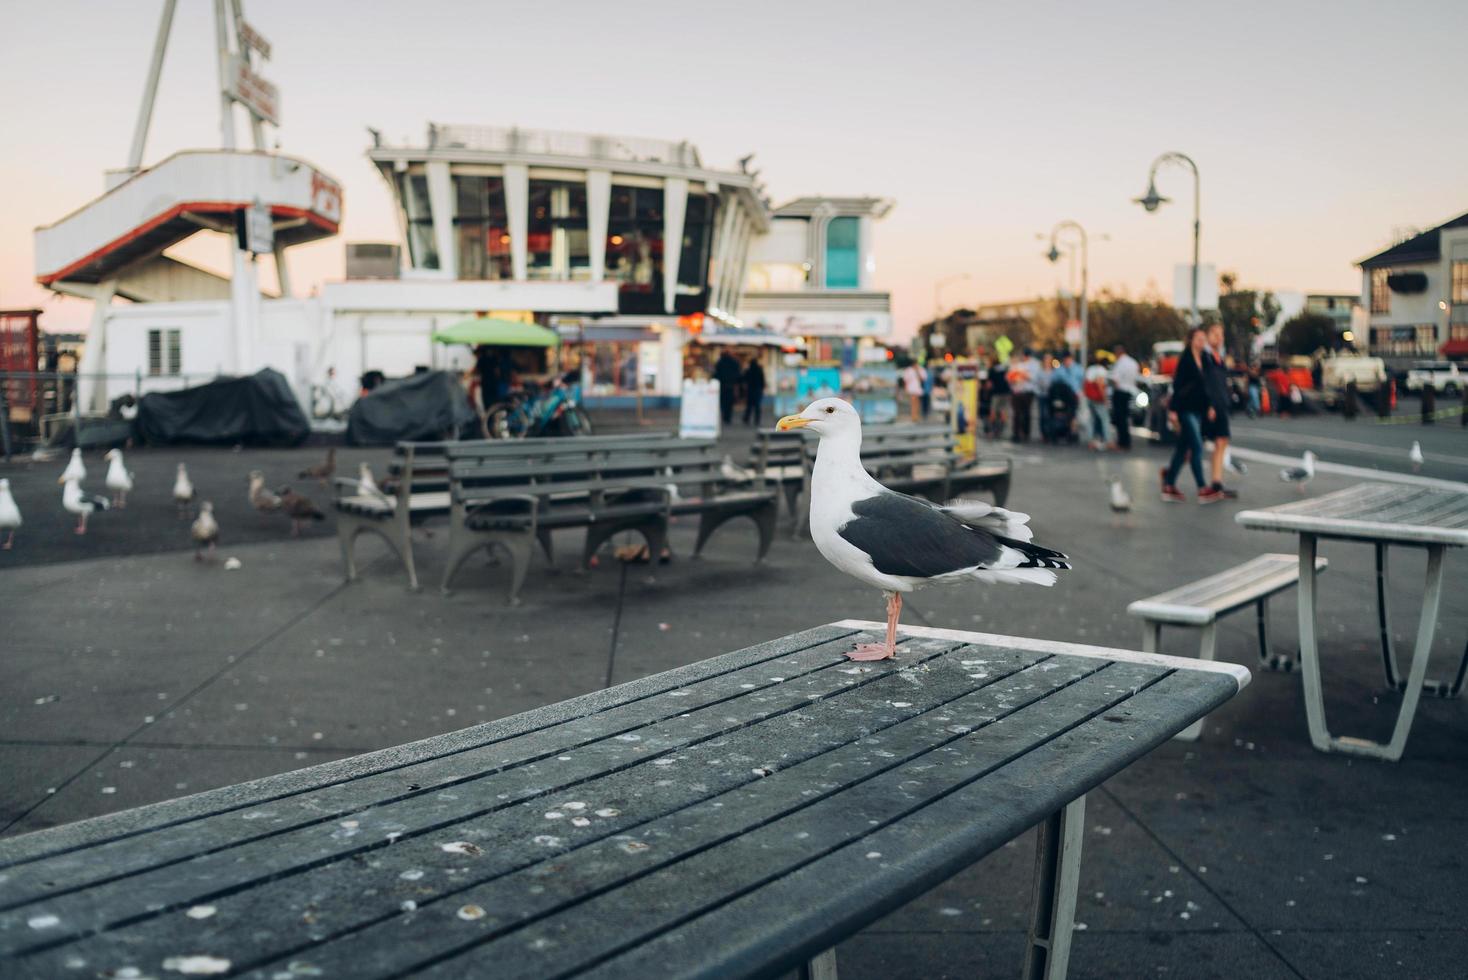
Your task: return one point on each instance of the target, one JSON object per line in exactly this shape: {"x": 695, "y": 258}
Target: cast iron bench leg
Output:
{"x": 1057, "y": 879}
{"x": 1320, "y": 735}
{"x": 821, "y": 967}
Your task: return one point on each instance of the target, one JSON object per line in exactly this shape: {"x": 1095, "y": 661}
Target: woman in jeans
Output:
{"x": 1186, "y": 410}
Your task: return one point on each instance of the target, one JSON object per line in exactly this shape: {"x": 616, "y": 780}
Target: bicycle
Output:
{"x": 557, "y": 412}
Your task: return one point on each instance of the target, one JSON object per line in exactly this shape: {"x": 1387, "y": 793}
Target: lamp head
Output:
{"x": 1053, "y": 255}
{"x": 1151, "y": 200}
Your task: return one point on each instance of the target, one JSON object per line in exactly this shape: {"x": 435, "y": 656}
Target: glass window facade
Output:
{"x": 1419, "y": 339}
{"x": 693, "y": 265}
{"x": 843, "y": 253}
{"x": 1460, "y": 281}
{"x": 422, "y": 247}
{"x": 556, "y": 240}
{"x": 635, "y": 247}
{"x": 165, "y": 353}
{"x": 1380, "y": 296}
{"x": 482, "y": 228}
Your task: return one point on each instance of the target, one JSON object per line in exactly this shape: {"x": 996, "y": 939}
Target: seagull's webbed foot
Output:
{"x": 871, "y": 651}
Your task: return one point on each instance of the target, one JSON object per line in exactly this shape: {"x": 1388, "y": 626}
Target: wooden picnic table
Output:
{"x": 735, "y": 817}
{"x": 1382, "y": 514}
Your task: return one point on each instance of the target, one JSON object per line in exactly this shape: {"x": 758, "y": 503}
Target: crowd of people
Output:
{"x": 1068, "y": 401}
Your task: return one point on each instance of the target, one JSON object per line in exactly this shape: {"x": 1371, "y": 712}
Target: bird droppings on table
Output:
{"x": 461, "y": 847}
{"x": 470, "y": 912}
{"x": 200, "y": 911}
{"x": 197, "y": 965}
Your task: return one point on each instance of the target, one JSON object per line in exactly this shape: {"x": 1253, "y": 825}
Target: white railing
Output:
{"x": 500, "y": 139}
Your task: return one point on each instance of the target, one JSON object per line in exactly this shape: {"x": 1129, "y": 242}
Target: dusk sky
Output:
{"x": 1320, "y": 128}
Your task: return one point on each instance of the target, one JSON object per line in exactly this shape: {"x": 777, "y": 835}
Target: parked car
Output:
{"x": 1442, "y": 376}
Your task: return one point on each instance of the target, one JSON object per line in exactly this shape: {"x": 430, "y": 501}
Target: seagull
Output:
{"x": 9, "y": 514}
{"x": 75, "y": 468}
{"x": 299, "y": 508}
{"x": 81, "y": 504}
{"x": 205, "y": 531}
{"x": 119, "y": 480}
{"x": 365, "y": 481}
{"x": 1235, "y": 465}
{"x": 1302, "y": 474}
{"x": 321, "y": 471}
{"x": 183, "y": 490}
{"x": 899, "y": 543}
{"x": 1121, "y": 501}
{"x": 1416, "y": 456}
{"x": 261, "y": 499}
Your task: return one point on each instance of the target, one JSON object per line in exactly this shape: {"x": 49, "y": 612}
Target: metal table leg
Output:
{"x": 1430, "y": 687}
{"x": 1320, "y": 736}
{"x": 1057, "y": 879}
{"x": 820, "y": 967}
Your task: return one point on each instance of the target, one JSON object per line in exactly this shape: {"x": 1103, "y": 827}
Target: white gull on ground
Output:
{"x": 1302, "y": 474}
{"x": 75, "y": 468}
{"x": 899, "y": 543}
{"x": 82, "y": 504}
{"x": 183, "y": 490}
{"x": 9, "y": 515}
{"x": 205, "y": 531}
{"x": 1415, "y": 455}
{"x": 119, "y": 480}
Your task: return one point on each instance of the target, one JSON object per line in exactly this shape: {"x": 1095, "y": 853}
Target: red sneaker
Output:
{"x": 1210, "y": 495}
{"x": 1172, "y": 495}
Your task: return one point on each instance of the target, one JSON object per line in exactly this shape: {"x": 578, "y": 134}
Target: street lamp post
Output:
{"x": 938, "y": 293}
{"x": 1152, "y": 201}
{"x": 1054, "y": 256}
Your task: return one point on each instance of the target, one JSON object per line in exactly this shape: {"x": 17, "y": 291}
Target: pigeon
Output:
{"x": 205, "y": 532}
{"x": 1415, "y": 455}
{"x": 365, "y": 481}
{"x": 321, "y": 471}
{"x": 9, "y": 515}
{"x": 183, "y": 490}
{"x": 1302, "y": 474}
{"x": 299, "y": 509}
{"x": 119, "y": 480}
{"x": 75, "y": 468}
{"x": 898, "y": 543}
{"x": 81, "y": 504}
{"x": 1234, "y": 464}
{"x": 1121, "y": 503}
{"x": 261, "y": 499}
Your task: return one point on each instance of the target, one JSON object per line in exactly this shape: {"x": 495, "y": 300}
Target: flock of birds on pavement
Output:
{"x": 204, "y": 528}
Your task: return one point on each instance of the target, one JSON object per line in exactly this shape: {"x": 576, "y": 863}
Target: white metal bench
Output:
{"x": 1202, "y": 603}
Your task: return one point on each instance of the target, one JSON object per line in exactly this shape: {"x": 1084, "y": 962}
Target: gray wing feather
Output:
{"x": 911, "y": 537}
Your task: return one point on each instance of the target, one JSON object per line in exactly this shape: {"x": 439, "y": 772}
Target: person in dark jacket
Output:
{"x": 1187, "y": 410}
{"x": 1215, "y": 427}
{"x": 754, "y": 391}
{"x": 728, "y": 374}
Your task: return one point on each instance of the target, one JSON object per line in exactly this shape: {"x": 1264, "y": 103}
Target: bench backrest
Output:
{"x": 554, "y": 471}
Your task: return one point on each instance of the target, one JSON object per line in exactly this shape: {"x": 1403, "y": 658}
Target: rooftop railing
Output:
{"x": 500, "y": 139}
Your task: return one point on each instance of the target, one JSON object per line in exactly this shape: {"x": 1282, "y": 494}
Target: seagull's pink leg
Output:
{"x": 9, "y": 540}
{"x": 882, "y": 651}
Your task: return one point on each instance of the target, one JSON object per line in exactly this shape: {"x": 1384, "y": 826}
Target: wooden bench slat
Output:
{"x": 122, "y": 865}
{"x": 706, "y": 879}
{"x": 847, "y": 890}
{"x": 1201, "y": 602}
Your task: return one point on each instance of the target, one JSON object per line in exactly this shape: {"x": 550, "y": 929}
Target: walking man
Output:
{"x": 754, "y": 391}
{"x": 1123, "y": 391}
{"x": 1215, "y": 426}
{"x": 914, "y": 378}
{"x": 728, "y": 374}
{"x": 1023, "y": 378}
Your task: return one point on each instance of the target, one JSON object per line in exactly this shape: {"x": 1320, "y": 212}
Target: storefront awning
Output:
{"x": 749, "y": 338}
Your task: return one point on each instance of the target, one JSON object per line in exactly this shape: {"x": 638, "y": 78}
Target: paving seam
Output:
{"x": 229, "y": 665}
{"x": 1198, "y": 879}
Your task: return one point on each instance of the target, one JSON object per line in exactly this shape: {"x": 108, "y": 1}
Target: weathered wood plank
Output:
{"x": 837, "y": 895}
{"x": 589, "y": 930}
{"x": 484, "y": 789}
{"x": 615, "y": 710}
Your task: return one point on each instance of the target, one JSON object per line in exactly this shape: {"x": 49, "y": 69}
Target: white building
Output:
{"x": 812, "y": 277}
{"x": 1416, "y": 295}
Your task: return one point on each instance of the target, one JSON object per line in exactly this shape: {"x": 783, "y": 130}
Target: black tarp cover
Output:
{"x": 430, "y": 405}
{"x": 259, "y": 410}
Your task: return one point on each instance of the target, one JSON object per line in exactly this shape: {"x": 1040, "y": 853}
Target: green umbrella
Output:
{"x": 498, "y": 333}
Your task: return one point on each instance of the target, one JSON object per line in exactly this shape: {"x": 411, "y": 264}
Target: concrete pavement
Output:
{"x": 137, "y": 675}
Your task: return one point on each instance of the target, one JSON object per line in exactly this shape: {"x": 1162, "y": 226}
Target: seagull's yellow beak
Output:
{"x": 792, "y": 422}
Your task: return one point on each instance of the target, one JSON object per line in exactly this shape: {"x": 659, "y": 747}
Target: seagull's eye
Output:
{"x": 829, "y": 410}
